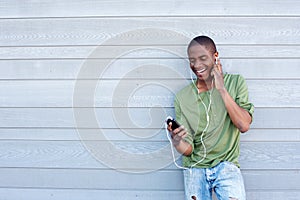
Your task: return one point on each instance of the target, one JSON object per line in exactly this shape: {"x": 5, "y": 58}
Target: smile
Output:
{"x": 201, "y": 71}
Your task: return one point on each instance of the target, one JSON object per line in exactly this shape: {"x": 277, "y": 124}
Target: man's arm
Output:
{"x": 178, "y": 136}
{"x": 239, "y": 116}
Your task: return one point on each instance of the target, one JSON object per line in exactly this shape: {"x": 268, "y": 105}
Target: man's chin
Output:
{"x": 205, "y": 77}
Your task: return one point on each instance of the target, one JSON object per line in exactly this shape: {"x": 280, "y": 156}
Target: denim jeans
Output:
{"x": 225, "y": 179}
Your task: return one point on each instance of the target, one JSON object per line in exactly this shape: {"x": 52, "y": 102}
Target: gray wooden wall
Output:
{"x": 44, "y": 47}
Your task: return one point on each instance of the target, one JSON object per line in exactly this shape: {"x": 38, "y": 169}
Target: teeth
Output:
{"x": 200, "y": 71}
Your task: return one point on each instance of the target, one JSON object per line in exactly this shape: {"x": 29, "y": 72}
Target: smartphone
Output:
{"x": 174, "y": 123}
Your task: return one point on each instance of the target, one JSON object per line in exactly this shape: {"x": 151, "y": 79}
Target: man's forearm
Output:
{"x": 239, "y": 116}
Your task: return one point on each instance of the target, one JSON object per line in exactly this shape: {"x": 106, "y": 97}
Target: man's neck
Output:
{"x": 204, "y": 85}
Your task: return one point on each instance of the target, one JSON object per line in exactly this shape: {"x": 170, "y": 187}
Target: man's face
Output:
{"x": 201, "y": 61}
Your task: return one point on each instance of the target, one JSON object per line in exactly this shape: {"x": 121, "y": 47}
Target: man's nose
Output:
{"x": 198, "y": 64}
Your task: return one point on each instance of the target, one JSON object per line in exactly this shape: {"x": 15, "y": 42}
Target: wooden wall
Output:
{"x": 45, "y": 47}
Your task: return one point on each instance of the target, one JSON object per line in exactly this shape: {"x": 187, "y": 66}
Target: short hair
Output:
{"x": 205, "y": 41}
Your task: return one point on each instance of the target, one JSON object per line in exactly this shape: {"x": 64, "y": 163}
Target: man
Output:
{"x": 212, "y": 111}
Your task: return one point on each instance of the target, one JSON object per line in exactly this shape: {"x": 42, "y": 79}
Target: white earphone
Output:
{"x": 207, "y": 109}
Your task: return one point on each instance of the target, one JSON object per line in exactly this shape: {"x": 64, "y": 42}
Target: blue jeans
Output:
{"x": 225, "y": 179}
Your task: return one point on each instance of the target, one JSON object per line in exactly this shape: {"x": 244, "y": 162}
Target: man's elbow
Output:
{"x": 244, "y": 124}
{"x": 244, "y": 127}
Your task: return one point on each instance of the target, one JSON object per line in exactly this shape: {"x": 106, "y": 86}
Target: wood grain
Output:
{"x": 71, "y": 134}
{"x": 132, "y": 93}
{"x": 115, "y": 53}
{"x": 150, "y": 30}
{"x": 68, "y": 69}
{"x": 94, "y": 194}
{"x": 91, "y": 194}
{"x": 281, "y": 118}
{"x": 74, "y": 155}
{"x": 106, "y": 180}
{"x": 76, "y": 8}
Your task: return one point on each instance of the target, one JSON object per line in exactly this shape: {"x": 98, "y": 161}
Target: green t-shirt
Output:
{"x": 222, "y": 138}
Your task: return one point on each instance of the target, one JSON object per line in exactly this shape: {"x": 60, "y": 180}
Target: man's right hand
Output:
{"x": 178, "y": 134}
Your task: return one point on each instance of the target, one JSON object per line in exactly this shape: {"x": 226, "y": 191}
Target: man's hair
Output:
{"x": 205, "y": 41}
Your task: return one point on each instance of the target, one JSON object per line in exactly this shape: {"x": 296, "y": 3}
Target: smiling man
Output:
{"x": 213, "y": 110}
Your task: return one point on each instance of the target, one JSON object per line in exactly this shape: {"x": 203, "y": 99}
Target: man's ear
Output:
{"x": 216, "y": 56}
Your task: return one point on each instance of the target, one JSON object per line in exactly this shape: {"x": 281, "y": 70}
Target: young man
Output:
{"x": 212, "y": 111}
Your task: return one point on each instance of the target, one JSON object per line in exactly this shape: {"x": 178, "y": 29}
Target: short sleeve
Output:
{"x": 242, "y": 96}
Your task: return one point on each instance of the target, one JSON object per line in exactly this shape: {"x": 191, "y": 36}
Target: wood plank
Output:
{"x": 273, "y": 194}
{"x": 271, "y": 180}
{"x": 77, "y": 194}
{"x": 76, "y": 8}
{"x": 269, "y": 155}
{"x": 61, "y": 134}
{"x": 57, "y": 134}
{"x": 74, "y": 155}
{"x": 109, "y": 179}
{"x": 139, "y": 118}
{"x": 149, "y": 30}
{"x": 162, "y": 52}
{"x": 269, "y": 135}
{"x": 90, "y": 179}
{"x": 131, "y": 93}
{"x": 68, "y": 69}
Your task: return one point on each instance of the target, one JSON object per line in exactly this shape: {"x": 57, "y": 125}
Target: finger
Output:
{"x": 178, "y": 130}
{"x": 182, "y": 131}
{"x": 179, "y": 136}
{"x": 219, "y": 65}
{"x": 214, "y": 72}
{"x": 170, "y": 126}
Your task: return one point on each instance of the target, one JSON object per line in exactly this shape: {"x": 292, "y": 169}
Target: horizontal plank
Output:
{"x": 273, "y": 194}
{"x": 70, "y": 134}
{"x": 56, "y": 134}
{"x": 15, "y": 9}
{"x": 90, "y": 179}
{"x": 126, "y": 118}
{"x": 136, "y": 156}
{"x": 131, "y": 93}
{"x": 109, "y": 179}
{"x": 77, "y": 194}
{"x": 271, "y": 180}
{"x": 132, "y": 157}
{"x": 271, "y": 135}
{"x": 150, "y": 30}
{"x": 272, "y": 155}
{"x": 69, "y": 69}
{"x": 115, "y": 53}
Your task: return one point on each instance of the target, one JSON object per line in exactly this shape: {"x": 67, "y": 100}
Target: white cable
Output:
{"x": 172, "y": 150}
{"x": 207, "y": 123}
{"x": 207, "y": 109}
